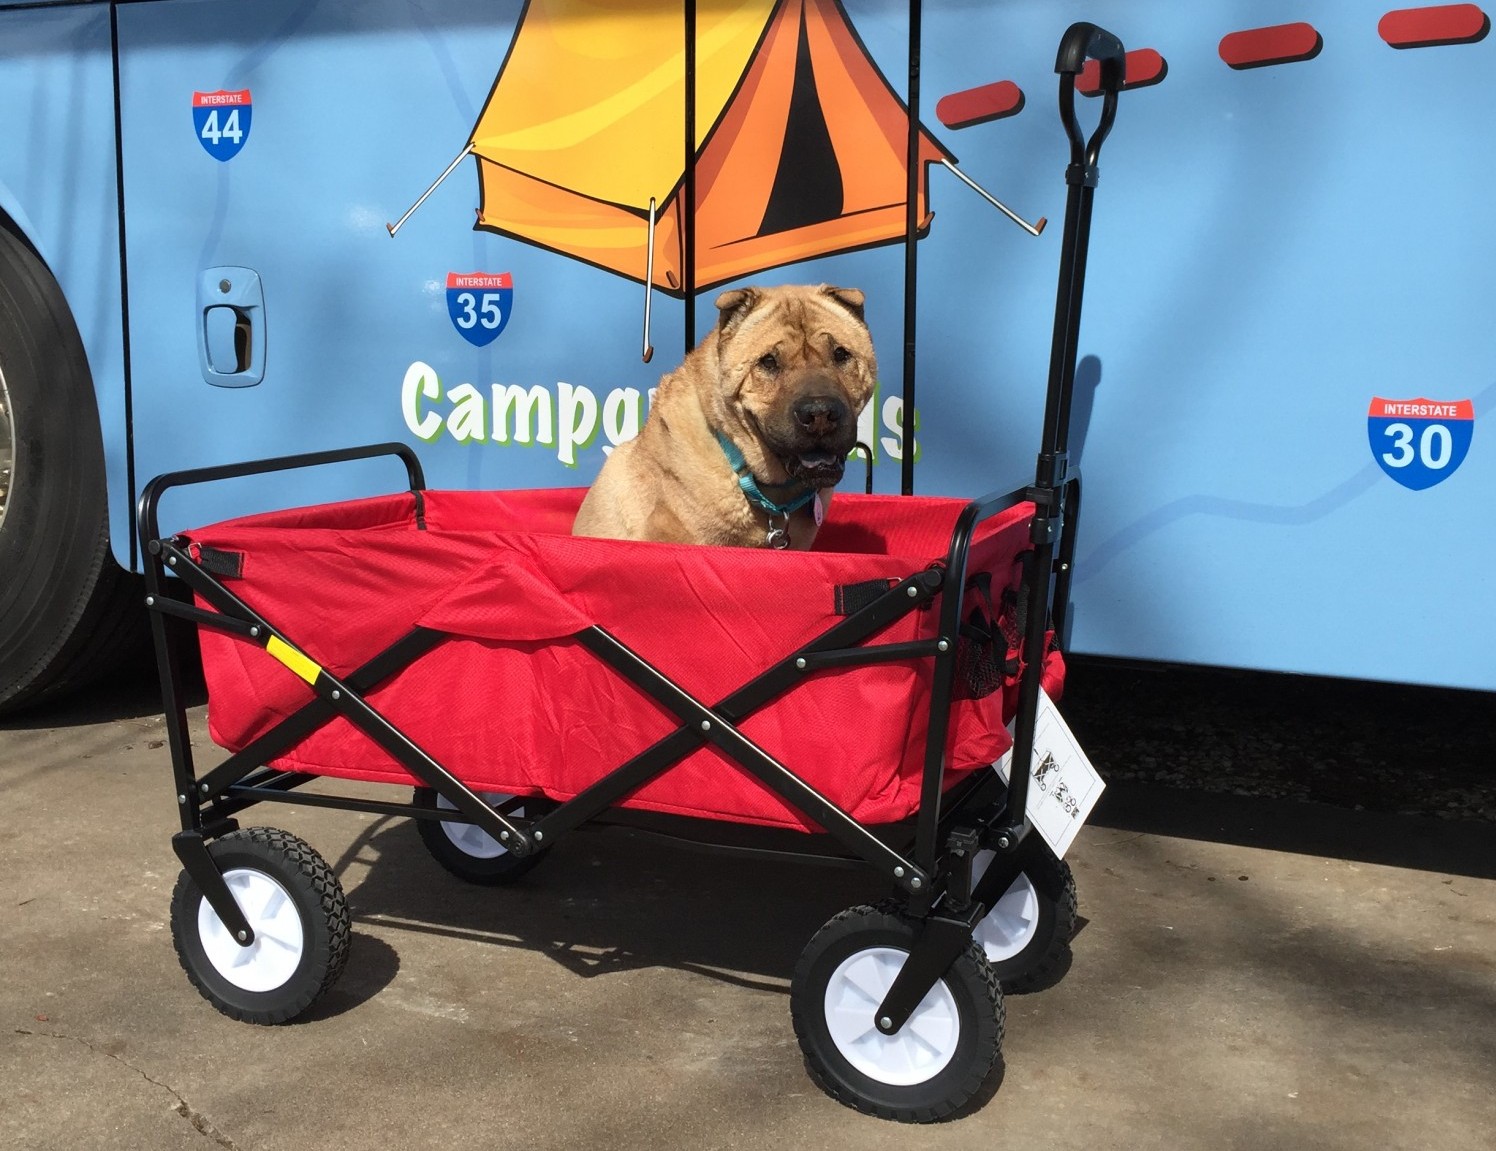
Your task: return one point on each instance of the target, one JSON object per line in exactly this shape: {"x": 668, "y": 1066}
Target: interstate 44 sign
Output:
{"x": 221, "y": 120}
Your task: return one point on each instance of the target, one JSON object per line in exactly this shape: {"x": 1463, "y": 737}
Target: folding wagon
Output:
{"x": 845, "y": 704}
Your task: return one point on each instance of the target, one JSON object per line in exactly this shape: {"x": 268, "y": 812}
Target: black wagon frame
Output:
{"x": 928, "y": 860}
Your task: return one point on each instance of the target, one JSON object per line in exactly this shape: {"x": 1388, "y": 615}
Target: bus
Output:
{"x": 234, "y": 230}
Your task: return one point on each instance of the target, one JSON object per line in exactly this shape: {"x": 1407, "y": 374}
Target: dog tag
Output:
{"x": 818, "y": 509}
{"x": 778, "y": 538}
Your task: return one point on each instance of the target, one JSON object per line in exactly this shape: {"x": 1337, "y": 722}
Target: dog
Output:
{"x": 747, "y": 438}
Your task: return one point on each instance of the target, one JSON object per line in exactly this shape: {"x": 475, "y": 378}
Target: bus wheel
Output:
{"x": 67, "y": 611}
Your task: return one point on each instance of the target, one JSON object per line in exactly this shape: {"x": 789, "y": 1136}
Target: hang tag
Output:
{"x": 818, "y": 509}
{"x": 1063, "y": 786}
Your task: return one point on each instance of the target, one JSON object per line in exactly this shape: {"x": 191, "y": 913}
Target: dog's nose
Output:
{"x": 820, "y": 415}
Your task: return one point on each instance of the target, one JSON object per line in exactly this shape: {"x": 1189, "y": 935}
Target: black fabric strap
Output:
{"x": 224, "y": 564}
{"x": 851, "y": 598}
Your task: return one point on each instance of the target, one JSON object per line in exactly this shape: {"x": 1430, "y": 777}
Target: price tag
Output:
{"x": 1063, "y": 786}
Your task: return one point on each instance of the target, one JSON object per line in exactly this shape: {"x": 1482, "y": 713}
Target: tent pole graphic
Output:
{"x": 435, "y": 184}
{"x": 648, "y": 278}
{"x": 1033, "y": 229}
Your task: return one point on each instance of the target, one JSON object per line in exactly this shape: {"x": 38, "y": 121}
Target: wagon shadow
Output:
{"x": 606, "y": 900}
{"x": 375, "y": 968}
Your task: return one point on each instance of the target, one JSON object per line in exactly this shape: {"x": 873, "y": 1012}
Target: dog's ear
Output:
{"x": 734, "y": 305}
{"x": 850, "y": 298}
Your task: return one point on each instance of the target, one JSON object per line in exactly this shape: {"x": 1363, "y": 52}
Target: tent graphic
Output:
{"x": 694, "y": 143}
{"x": 800, "y": 145}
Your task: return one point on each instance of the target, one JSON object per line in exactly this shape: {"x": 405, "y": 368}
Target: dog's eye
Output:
{"x": 769, "y": 362}
{"x": 840, "y": 354}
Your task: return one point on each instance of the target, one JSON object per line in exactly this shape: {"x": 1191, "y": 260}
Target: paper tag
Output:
{"x": 1063, "y": 786}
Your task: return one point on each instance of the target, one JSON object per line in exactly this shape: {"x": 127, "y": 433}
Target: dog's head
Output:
{"x": 795, "y": 366}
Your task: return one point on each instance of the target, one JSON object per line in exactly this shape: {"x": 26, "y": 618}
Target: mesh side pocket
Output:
{"x": 981, "y": 648}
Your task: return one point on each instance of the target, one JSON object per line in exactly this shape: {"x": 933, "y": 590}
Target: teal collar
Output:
{"x": 751, "y": 488}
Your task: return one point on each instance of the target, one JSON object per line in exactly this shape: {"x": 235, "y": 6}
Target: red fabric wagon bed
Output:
{"x": 511, "y": 702}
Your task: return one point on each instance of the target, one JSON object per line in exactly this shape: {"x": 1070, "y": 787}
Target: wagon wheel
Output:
{"x": 1026, "y": 935}
{"x": 465, "y": 849}
{"x": 937, "y": 1061}
{"x": 296, "y": 907}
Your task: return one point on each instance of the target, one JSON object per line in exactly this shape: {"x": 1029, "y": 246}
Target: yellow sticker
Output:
{"x": 301, "y": 664}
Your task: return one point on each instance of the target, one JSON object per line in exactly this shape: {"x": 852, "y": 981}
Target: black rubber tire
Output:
{"x": 68, "y": 613}
{"x": 1047, "y": 954}
{"x": 979, "y": 1009}
{"x": 487, "y": 871}
{"x": 320, "y": 904}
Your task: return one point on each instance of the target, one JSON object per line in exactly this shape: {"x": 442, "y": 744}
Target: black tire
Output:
{"x": 466, "y": 851}
{"x": 1026, "y": 935}
{"x": 957, "y": 1031}
{"x": 68, "y": 613}
{"x": 278, "y": 976}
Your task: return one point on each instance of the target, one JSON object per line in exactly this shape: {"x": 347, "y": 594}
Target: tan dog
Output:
{"x": 746, "y": 439}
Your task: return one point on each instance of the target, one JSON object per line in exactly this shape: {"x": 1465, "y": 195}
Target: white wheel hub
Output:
{"x": 272, "y": 958}
{"x": 1014, "y": 919}
{"x": 469, "y": 838}
{"x": 922, "y": 1048}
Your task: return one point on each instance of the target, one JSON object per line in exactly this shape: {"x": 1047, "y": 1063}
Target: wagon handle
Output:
{"x": 150, "y": 496}
{"x": 1053, "y": 478}
{"x": 1083, "y": 41}
{"x": 1080, "y": 42}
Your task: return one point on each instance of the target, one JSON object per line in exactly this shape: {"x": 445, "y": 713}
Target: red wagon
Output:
{"x": 846, "y": 703}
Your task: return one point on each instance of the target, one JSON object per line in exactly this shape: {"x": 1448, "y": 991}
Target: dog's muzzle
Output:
{"x": 824, "y": 432}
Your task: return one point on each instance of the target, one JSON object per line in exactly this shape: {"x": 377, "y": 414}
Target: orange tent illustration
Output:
{"x": 799, "y": 146}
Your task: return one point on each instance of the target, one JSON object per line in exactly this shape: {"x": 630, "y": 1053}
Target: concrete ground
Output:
{"x": 1223, "y": 994}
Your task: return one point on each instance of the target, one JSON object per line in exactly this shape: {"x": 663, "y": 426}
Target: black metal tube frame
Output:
{"x": 1056, "y": 495}
{"x": 983, "y": 812}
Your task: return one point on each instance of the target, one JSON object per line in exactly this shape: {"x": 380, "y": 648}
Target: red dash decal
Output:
{"x": 1427, "y": 27}
{"x": 1140, "y": 70}
{"x": 1280, "y": 44}
{"x": 979, "y": 105}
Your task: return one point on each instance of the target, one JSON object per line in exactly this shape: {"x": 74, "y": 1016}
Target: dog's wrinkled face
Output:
{"x": 796, "y": 367}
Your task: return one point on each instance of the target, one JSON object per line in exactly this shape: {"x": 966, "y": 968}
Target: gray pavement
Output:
{"x": 1221, "y": 995}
